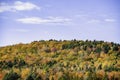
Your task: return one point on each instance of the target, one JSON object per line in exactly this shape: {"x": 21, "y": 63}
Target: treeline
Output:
{"x": 61, "y": 60}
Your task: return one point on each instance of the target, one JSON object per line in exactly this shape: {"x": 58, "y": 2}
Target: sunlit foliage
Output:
{"x": 60, "y": 60}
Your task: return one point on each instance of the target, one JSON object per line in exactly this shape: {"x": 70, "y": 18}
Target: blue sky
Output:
{"x": 28, "y": 20}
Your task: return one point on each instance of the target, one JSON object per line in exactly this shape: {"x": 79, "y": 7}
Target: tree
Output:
{"x": 11, "y": 76}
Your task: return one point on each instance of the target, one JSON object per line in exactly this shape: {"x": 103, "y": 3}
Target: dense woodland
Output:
{"x": 61, "y": 60}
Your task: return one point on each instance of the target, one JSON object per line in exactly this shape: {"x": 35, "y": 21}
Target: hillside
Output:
{"x": 61, "y": 60}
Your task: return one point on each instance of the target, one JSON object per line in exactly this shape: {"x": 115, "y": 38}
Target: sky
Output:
{"x": 24, "y": 21}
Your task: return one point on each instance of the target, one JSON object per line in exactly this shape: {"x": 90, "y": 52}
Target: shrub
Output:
{"x": 33, "y": 76}
{"x": 11, "y": 76}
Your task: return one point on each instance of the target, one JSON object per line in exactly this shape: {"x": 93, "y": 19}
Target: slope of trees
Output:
{"x": 60, "y": 60}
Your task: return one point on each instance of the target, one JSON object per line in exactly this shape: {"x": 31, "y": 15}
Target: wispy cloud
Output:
{"x": 20, "y": 30}
{"x": 81, "y": 16}
{"x": 18, "y": 6}
{"x": 110, "y": 20}
{"x": 38, "y": 20}
{"x": 93, "y": 21}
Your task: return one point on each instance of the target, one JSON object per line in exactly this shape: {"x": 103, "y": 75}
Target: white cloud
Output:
{"x": 37, "y": 20}
{"x": 110, "y": 20}
{"x": 93, "y": 21}
{"x": 81, "y": 16}
{"x": 18, "y": 6}
{"x": 20, "y": 30}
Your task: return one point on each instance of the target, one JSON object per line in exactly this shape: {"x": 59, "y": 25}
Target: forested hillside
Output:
{"x": 61, "y": 60}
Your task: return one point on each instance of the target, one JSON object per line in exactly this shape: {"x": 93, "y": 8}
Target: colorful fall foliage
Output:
{"x": 60, "y": 60}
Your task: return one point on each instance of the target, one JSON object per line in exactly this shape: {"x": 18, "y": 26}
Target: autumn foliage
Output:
{"x": 60, "y": 60}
